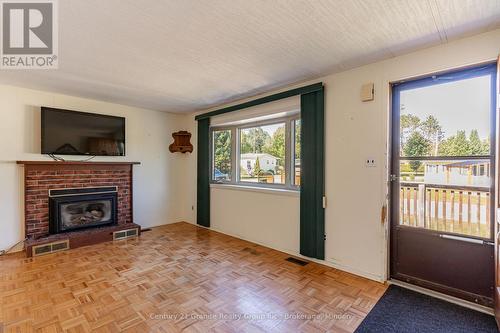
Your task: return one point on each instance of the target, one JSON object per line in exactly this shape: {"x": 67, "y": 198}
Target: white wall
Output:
{"x": 269, "y": 219}
{"x": 159, "y": 197}
{"x": 356, "y": 240}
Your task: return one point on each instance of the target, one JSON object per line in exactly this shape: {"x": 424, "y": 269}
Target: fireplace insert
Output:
{"x": 73, "y": 209}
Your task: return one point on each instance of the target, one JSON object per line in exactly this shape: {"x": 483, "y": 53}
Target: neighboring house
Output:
{"x": 267, "y": 162}
{"x": 467, "y": 173}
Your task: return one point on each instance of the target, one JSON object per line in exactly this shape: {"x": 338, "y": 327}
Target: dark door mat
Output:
{"x": 402, "y": 310}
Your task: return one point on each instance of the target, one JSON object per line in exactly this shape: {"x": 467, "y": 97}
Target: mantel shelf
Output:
{"x": 74, "y": 163}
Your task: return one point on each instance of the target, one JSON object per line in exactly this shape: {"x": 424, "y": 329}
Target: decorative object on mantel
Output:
{"x": 181, "y": 143}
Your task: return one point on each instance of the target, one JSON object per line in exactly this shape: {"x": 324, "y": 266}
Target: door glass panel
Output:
{"x": 449, "y": 119}
{"x": 446, "y": 195}
{"x": 445, "y": 172}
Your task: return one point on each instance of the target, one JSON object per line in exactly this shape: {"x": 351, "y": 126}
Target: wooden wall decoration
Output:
{"x": 181, "y": 142}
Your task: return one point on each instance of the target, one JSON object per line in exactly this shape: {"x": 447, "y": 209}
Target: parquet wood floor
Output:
{"x": 179, "y": 277}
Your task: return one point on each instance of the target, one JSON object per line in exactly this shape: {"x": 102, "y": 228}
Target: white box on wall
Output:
{"x": 367, "y": 92}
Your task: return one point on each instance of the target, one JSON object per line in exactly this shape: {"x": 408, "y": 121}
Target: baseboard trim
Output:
{"x": 442, "y": 296}
{"x": 162, "y": 224}
{"x": 18, "y": 247}
{"x": 343, "y": 268}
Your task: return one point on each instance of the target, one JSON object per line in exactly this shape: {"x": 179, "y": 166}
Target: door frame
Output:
{"x": 393, "y": 169}
{"x": 497, "y": 205}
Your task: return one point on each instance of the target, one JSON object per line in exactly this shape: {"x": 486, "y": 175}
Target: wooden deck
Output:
{"x": 462, "y": 210}
{"x": 176, "y": 278}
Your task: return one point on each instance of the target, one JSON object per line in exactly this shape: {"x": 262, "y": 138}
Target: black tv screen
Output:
{"x": 66, "y": 132}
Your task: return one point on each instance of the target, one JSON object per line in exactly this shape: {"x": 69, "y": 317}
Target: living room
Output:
{"x": 238, "y": 166}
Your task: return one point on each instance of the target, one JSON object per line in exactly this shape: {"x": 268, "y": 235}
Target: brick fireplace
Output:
{"x": 43, "y": 179}
{"x": 82, "y": 208}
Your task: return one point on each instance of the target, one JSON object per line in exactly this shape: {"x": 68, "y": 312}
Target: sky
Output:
{"x": 270, "y": 129}
{"x": 458, "y": 105}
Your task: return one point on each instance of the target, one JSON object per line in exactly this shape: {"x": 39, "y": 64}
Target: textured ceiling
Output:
{"x": 182, "y": 56}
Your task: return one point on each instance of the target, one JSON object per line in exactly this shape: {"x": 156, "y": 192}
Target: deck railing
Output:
{"x": 458, "y": 209}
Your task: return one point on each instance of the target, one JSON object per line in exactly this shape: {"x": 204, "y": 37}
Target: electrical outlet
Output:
{"x": 370, "y": 162}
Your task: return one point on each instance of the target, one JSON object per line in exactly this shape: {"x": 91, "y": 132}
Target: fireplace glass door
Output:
{"x": 85, "y": 213}
{"x": 82, "y": 208}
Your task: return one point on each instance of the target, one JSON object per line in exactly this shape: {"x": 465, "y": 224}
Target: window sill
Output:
{"x": 278, "y": 191}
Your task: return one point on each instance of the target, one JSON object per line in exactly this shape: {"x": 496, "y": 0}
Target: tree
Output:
{"x": 413, "y": 133}
{"x": 417, "y": 145}
{"x": 460, "y": 145}
{"x": 253, "y": 140}
{"x": 408, "y": 124}
{"x": 222, "y": 151}
{"x": 456, "y": 145}
{"x": 486, "y": 145}
{"x": 297, "y": 139}
{"x": 276, "y": 146}
{"x": 256, "y": 169}
{"x": 476, "y": 146}
{"x": 432, "y": 131}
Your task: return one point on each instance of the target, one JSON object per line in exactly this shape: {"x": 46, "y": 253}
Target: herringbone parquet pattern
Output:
{"x": 179, "y": 278}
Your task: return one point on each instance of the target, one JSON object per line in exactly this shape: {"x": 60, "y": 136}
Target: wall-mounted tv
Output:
{"x": 66, "y": 132}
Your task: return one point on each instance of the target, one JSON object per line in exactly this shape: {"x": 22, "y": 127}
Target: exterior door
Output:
{"x": 497, "y": 228}
{"x": 442, "y": 183}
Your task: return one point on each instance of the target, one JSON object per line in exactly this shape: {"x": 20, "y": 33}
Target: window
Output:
{"x": 222, "y": 152}
{"x": 265, "y": 154}
{"x": 296, "y": 152}
{"x": 481, "y": 170}
{"x": 262, "y": 150}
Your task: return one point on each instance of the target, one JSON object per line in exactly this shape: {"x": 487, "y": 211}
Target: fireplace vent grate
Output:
{"x": 51, "y": 247}
{"x": 123, "y": 234}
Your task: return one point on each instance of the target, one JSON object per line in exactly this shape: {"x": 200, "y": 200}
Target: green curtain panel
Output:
{"x": 203, "y": 180}
{"x": 312, "y": 177}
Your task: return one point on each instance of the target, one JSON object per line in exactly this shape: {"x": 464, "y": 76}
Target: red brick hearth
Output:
{"x": 40, "y": 177}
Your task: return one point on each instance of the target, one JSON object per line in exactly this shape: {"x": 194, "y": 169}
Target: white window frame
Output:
{"x": 235, "y": 153}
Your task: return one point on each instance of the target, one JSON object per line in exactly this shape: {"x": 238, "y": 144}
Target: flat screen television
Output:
{"x": 66, "y": 132}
